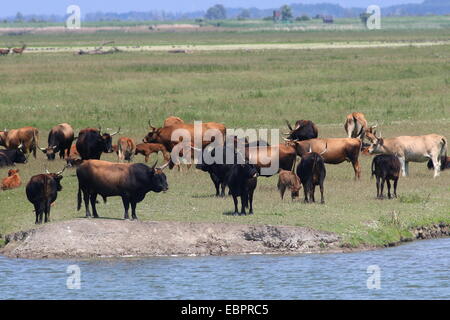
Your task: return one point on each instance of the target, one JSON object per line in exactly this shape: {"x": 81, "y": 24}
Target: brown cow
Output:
{"x": 263, "y": 157}
{"x": 338, "y": 150}
{"x": 125, "y": 149}
{"x": 4, "y": 52}
{"x": 289, "y": 180}
{"x": 12, "y": 181}
{"x": 19, "y": 50}
{"x": 356, "y": 127}
{"x": 146, "y": 149}
{"x": 165, "y": 135}
{"x": 170, "y": 121}
{"x": 26, "y": 138}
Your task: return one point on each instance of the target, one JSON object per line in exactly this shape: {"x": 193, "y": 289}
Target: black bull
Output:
{"x": 130, "y": 181}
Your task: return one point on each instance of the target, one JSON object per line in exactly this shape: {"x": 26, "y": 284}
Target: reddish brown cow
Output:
{"x": 170, "y": 121}
{"x": 146, "y": 149}
{"x": 12, "y": 181}
{"x": 125, "y": 149}
{"x": 19, "y": 50}
{"x": 26, "y": 138}
{"x": 338, "y": 150}
{"x": 4, "y": 52}
{"x": 60, "y": 140}
{"x": 289, "y": 180}
{"x": 264, "y": 158}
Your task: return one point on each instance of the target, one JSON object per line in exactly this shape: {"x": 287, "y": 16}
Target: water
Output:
{"x": 418, "y": 270}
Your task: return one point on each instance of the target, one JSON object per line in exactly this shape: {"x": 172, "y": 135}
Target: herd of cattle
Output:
{"x": 132, "y": 181}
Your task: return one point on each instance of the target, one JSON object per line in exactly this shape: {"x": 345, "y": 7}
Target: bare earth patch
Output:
{"x": 97, "y": 238}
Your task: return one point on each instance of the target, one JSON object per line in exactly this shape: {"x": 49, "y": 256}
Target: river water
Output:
{"x": 419, "y": 270}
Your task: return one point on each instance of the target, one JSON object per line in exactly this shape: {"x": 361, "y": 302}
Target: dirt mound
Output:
{"x": 93, "y": 238}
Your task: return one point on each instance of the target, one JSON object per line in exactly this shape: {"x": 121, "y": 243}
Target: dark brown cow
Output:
{"x": 4, "y": 52}
{"x": 125, "y": 149}
{"x": 338, "y": 150}
{"x": 303, "y": 130}
{"x": 170, "y": 121}
{"x": 42, "y": 191}
{"x": 27, "y": 138}
{"x": 164, "y": 135}
{"x": 92, "y": 143}
{"x": 130, "y": 181}
{"x": 60, "y": 139}
{"x": 386, "y": 167}
{"x": 146, "y": 149}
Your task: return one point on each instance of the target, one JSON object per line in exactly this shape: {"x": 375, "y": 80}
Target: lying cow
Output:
{"x": 386, "y": 167}
{"x": 311, "y": 171}
{"x": 413, "y": 149}
{"x": 130, "y": 181}
{"x": 42, "y": 190}
{"x": 9, "y": 157}
{"x": 12, "y": 181}
{"x": 288, "y": 180}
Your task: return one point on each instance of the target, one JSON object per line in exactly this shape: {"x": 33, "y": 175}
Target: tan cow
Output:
{"x": 125, "y": 149}
{"x": 413, "y": 149}
{"x": 265, "y": 157}
{"x": 338, "y": 150}
{"x": 170, "y": 121}
{"x": 26, "y": 138}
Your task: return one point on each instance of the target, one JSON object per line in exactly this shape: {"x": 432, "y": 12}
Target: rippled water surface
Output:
{"x": 419, "y": 270}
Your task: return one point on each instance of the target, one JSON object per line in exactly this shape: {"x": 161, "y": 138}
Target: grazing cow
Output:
{"x": 242, "y": 180}
{"x": 60, "y": 140}
{"x": 339, "y": 150}
{"x": 25, "y": 138}
{"x": 91, "y": 143}
{"x": 42, "y": 191}
{"x": 12, "y": 181}
{"x": 386, "y": 167}
{"x": 289, "y": 180}
{"x": 445, "y": 163}
{"x": 311, "y": 172}
{"x": 125, "y": 149}
{"x": 170, "y": 121}
{"x": 129, "y": 181}
{"x": 413, "y": 149}
{"x": 164, "y": 135}
{"x": 9, "y": 157}
{"x": 303, "y": 130}
{"x": 146, "y": 149}
{"x": 19, "y": 50}
{"x": 4, "y": 52}
{"x": 356, "y": 125}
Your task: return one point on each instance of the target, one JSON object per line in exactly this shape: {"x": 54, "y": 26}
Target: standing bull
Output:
{"x": 386, "y": 167}
{"x": 60, "y": 140}
{"x": 92, "y": 143}
{"x": 42, "y": 191}
{"x": 413, "y": 149}
{"x": 311, "y": 171}
{"x": 25, "y": 138}
{"x": 129, "y": 181}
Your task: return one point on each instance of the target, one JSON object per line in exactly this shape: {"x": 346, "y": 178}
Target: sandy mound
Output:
{"x": 92, "y": 238}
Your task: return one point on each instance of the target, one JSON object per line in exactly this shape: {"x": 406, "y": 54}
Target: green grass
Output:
{"x": 406, "y": 90}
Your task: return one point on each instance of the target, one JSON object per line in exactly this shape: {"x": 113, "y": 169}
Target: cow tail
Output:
{"x": 444, "y": 148}
{"x": 35, "y": 143}
{"x": 79, "y": 198}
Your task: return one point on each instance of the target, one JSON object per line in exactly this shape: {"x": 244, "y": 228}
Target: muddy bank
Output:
{"x": 96, "y": 238}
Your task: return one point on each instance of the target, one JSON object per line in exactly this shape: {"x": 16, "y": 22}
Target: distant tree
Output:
{"x": 286, "y": 13}
{"x": 216, "y": 12}
{"x": 245, "y": 14}
{"x": 303, "y": 17}
{"x": 19, "y": 17}
{"x": 364, "y": 16}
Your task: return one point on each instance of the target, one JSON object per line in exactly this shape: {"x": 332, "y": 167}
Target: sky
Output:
{"x": 8, "y": 8}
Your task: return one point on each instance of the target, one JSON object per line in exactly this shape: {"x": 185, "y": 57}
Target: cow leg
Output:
{"x": 47, "y": 211}
{"x": 357, "y": 169}
{"x": 235, "y": 200}
{"x": 378, "y": 187}
{"x": 244, "y": 203}
{"x": 383, "y": 179}
{"x": 222, "y": 194}
{"x": 407, "y": 168}
{"x": 395, "y": 187}
{"x": 93, "y": 204}
{"x": 313, "y": 190}
{"x": 133, "y": 210}
{"x": 37, "y": 211}
{"x": 126, "y": 205}
{"x": 322, "y": 200}
{"x": 306, "y": 192}
{"x": 282, "y": 191}
{"x": 437, "y": 165}
{"x": 250, "y": 200}
{"x": 403, "y": 164}
{"x": 389, "y": 188}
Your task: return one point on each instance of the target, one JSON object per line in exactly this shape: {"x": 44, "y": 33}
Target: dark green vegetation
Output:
{"x": 407, "y": 90}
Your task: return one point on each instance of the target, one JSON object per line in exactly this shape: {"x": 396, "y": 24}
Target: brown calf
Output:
{"x": 125, "y": 149}
{"x": 12, "y": 181}
{"x": 289, "y": 180}
{"x": 146, "y": 149}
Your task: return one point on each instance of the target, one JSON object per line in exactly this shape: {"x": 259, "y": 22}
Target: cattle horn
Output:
{"x": 154, "y": 166}
{"x": 310, "y": 149}
{"x": 325, "y": 150}
{"x": 61, "y": 172}
{"x": 285, "y": 139}
{"x": 289, "y": 125}
{"x": 112, "y": 135}
{"x": 164, "y": 166}
{"x": 150, "y": 125}
{"x": 42, "y": 149}
{"x": 46, "y": 170}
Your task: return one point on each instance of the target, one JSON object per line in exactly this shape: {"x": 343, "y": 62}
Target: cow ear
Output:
{"x": 381, "y": 140}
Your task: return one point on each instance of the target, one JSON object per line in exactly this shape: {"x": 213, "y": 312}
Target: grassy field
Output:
{"x": 406, "y": 90}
